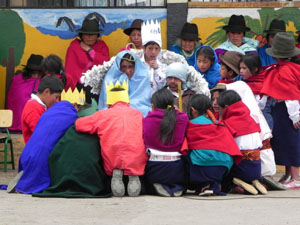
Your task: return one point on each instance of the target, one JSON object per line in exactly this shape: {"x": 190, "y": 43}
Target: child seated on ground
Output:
{"x": 121, "y": 138}
{"x": 33, "y": 163}
{"x": 212, "y": 149}
{"x": 229, "y": 66}
{"x": 268, "y": 166}
{"x": 48, "y": 93}
{"x": 207, "y": 64}
{"x": 236, "y": 116}
{"x": 127, "y": 66}
{"x": 164, "y": 132}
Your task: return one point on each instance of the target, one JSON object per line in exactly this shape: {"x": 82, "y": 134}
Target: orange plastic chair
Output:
{"x": 6, "y": 117}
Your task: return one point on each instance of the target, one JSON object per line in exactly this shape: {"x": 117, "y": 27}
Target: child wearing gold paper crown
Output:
{"x": 121, "y": 138}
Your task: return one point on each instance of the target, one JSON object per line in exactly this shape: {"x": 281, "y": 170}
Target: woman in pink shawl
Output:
{"x": 21, "y": 88}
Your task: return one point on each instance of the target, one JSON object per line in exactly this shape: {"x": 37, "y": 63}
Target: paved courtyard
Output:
{"x": 276, "y": 208}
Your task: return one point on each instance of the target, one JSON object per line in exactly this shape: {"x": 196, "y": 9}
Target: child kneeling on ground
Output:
{"x": 119, "y": 129}
{"x": 236, "y": 115}
{"x": 164, "y": 132}
{"x": 212, "y": 149}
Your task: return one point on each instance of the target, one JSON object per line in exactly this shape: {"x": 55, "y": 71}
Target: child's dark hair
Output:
{"x": 117, "y": 89}
{"x": 228, "y": 98}
{"x": 234, "y": 74}
{"x": 53, "y": 65}
{"x": 252, "y": 61}
{"x": 207, "y": 52}
{"x": 199, "y": 102}
{"x": 52, "y": 82}
{"x": 163, "y": 99}
{"x": 129, "y": 58}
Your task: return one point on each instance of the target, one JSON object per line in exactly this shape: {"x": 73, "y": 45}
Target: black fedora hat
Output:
{"x": 136, "y": 24}
{"x": 276, "y": 26}
{"x": 236, "y": 24}
{"x": 189, "y": 31}
{"x": 90, "y": 26}
{"x": 232, "y": 59}
{"x": 34, "y": 62}
{"x": 283, "y": 46}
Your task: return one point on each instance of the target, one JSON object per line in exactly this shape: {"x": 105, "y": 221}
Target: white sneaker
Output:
{"x": 117, "y": 185}
{"x": 134, "y": 186}
{"x": 160, "y": 190}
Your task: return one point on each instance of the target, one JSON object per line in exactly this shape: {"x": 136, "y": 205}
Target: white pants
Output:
{"x": 268, "y": 166}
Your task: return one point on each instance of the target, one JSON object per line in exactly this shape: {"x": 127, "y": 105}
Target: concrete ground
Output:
{"x": 276, "y": 208}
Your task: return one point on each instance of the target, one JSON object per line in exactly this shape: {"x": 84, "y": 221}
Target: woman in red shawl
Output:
{"x": 84, "y": 53}
{"x": 282, "y": 82}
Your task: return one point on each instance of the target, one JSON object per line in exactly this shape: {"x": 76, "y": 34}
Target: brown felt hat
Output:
{"x": 218, "y": 87}
{"x": 283, "y": 46}
{"x": 232, "y": 59}
{"x": 136, "y": 24}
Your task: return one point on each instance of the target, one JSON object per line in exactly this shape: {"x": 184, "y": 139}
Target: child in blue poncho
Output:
{"x": 207, "y": 64}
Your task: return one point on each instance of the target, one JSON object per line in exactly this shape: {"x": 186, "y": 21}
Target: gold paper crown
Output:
{"x": 116, "y": 96}
{"x": 73, "y": 97}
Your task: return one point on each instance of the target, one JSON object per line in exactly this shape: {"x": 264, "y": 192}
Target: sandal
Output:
{"x": 261, "y": 188}
{"x": 247, "y": 187}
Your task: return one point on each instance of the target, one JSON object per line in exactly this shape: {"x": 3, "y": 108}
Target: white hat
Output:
{"x": 151, "y": 32}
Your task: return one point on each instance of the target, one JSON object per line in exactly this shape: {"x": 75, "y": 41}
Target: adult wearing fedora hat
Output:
{"x": 236, "y": 40}
{"x": 282, "y": 83}
{"x": 275, "y": 27}
{"x": 134, "y": 33}
{"x": 85, "y": 52}
{"x": 22, "y": 86}
{"x": 187, "y": 42}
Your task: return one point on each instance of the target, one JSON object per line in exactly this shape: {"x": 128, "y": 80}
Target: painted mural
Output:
{"x": 27, "y": 31}
{"x": 34, "y": 30}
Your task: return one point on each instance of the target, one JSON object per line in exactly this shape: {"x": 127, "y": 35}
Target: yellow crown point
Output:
{"x": 73, "y": 97}
{"x": 117, "y": 96}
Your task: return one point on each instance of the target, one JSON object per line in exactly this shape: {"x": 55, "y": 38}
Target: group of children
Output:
{"x": 219, "y": 145}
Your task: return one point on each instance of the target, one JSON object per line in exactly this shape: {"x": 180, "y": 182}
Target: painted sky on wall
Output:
{"x": 114, "y": 19}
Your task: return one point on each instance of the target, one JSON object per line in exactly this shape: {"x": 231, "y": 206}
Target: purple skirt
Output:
{"x": 286, "y": 139}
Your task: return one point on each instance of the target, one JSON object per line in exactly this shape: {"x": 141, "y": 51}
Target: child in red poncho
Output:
{"x": 119, "y": 129}
{"x": 236, "y": 116}
{"x": 212, "y": 149}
